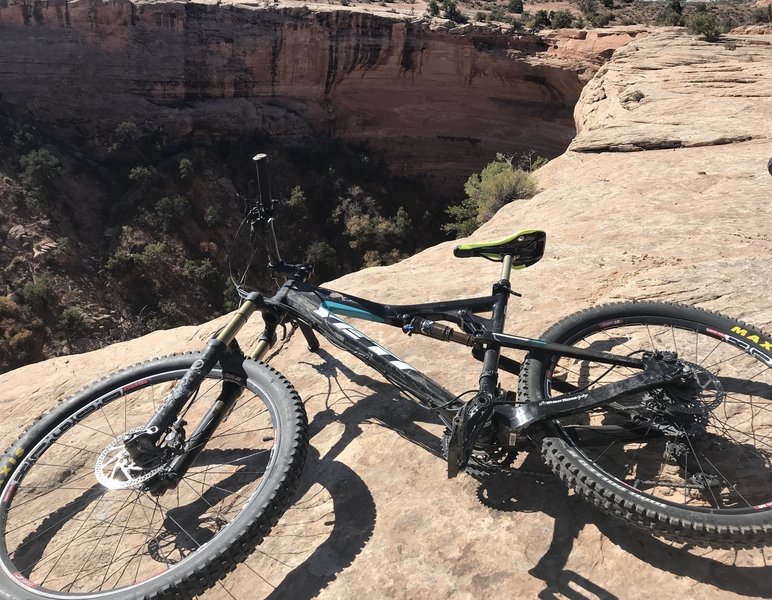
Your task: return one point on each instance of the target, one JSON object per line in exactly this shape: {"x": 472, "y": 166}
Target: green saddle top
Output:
{"x": 525, "y": 247}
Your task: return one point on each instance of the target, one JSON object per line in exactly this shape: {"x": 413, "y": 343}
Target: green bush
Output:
{"x": 499, "y": 183}
{"x": 202, "y": 272}
{"x": 152, "y": 255}
{"x": 120, "y": 262}
{"x": 169, "y": 212}
{"x": 671, "y": 14}
{"x": 17, "y": 340}
{"x": 40, "y": 170}
{"x": 600, "y": 20}
{"x": 39, "y": 294}
{"x": 433, "y": 8}
{"x": 515, "y": 6}
{"x": 763, "y": 15}
{"x": 140, "y": 175}
{"x": 213, "y": 215}
{"x": 72, "y": 321}
{"x": 562, "y": 19}
{"x": 168, "y": 314}
{"x": 186, "y": 169}
{"x": 125, "y": 133}
{"x": 588, "y": 7}
{"x": 539, "y": 20}
{"x": 705, "y": 24}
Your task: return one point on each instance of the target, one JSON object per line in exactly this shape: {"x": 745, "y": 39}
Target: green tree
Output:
{"x": 562, "y": 19}
{"x": 125, "y": 134}
{"x": 705, "y": 24}
{"x": 169, "y": 212}
{"x": 588, "y": 7}
{"x": 671, "y": 13}
{"x": 40, "y": 170}
{"x": 433, "y": 8}
{"x": 451, "y": 11}
{"x": 515, "y": 6}
{"x": 540, "y": 19}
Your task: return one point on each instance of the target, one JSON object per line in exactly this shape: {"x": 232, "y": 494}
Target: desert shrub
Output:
{"x": 213, "y": 215}
{"x": 119, "y": 262}
{"x": 451, "y": 11}
{"x": 126, "y": 133}
{"x": 515, "y": 6}
{"x": 588, "y": 7}
{"x": 186, "y": 169}
{"x": 202, "y": 272}
{"x": 600, "y": 20}
{"x": 72, "y": 321}
{"x": 562, "y": 19}
{"x": 671, "y": 13}
{"x": 763, "y": 15}
{"x": 40, "y": 170}
{"x": 499, "y": 183}
{"x": 168, "y": 212}
{"x": 152, "y": 255}
{"x": 17, "y": 343}
{"x": 705, "y": 24}
{"x": 140, "y": 175}
{"x": 433, "y": 8}
{"x": 38, "y": 294}
{"x": 498, "y": 14}
{"x": 540, "y": 19}
{"x": 480, "y": 16}
{"x": 168, "y": 314}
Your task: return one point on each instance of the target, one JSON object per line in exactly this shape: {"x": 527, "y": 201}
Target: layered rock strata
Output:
{"x": 430, "y": 97}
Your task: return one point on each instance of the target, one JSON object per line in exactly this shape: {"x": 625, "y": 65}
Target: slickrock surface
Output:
{"x": 687, "y": 221}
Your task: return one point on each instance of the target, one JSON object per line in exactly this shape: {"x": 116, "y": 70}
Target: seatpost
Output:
{"x": 506, "y": 267}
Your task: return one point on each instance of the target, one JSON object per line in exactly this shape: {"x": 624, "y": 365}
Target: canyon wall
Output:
{"x": 433, "y": 98}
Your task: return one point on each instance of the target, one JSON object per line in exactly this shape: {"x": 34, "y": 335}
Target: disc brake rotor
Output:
{"x": 116, "y": 470}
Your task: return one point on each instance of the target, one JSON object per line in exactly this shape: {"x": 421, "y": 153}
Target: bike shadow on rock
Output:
{"x": 530, "y": 488}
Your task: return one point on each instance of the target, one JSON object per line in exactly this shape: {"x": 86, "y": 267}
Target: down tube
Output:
{"x": 404, "y": 376}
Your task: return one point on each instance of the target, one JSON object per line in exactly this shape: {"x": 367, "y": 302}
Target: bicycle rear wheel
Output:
{"x": 689, "y": 464}
{"x": 76, "y": 522}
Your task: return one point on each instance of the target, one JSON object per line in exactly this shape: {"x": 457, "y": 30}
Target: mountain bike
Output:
{"x": 157, "y": 480}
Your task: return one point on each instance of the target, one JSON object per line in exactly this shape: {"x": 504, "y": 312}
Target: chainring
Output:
{"x": 485, "y": 461}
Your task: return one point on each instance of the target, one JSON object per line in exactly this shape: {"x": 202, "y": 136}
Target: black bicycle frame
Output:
{"x": 319, "y": 309}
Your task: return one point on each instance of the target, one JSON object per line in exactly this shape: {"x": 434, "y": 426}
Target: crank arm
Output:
{"x": 656, "y": 374}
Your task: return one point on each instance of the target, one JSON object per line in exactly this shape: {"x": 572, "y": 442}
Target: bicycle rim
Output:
{"x": 65, "y": 533}
{"x": 706, "y": 450}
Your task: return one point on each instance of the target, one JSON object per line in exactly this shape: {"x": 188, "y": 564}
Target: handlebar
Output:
{"x": 262, "y": 214}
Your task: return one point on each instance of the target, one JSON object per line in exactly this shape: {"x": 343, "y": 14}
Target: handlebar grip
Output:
{"x": 263, "y": 184}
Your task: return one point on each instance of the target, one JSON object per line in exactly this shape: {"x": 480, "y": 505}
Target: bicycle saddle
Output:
{"x": 526, "y": 248}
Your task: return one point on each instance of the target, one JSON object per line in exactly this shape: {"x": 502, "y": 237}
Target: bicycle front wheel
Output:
{"x": 77, "y": 523}
{"x": 690, "y": 464}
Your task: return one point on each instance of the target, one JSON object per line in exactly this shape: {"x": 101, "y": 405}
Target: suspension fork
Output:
{"x": 143, "y": 445}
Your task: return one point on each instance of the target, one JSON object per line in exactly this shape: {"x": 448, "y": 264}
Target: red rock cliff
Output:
{"x": 435, "y": 99}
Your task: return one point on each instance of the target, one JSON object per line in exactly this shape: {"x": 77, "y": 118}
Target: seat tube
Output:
{"x": 489, "y": 376}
